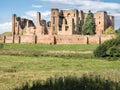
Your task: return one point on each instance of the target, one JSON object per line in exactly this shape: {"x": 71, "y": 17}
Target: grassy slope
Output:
{"x": 15, "y": 70}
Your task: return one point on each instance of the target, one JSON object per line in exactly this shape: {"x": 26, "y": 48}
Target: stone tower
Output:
{"x": 81, "y": 18}
{"x": 54, "y": 21}
{"x": 101, "y": 21}
{"x": 13, "y": 23}
{"x": 112, "y": 20}
{"x": 38, "y": 19}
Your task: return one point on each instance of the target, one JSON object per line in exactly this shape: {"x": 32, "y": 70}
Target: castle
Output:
{"x": 62, "y": 22}
{"x": 64, "y": 27}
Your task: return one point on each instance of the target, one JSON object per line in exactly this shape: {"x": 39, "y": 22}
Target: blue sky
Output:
{"x": 28, "y": 9}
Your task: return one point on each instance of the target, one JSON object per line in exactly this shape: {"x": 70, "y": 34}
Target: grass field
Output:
{"x": 16, "y": 69}
{"x": 45, "y": 47}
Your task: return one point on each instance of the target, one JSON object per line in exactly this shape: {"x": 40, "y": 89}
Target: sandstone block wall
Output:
{"x": 16, "y": 39}
{"x": 1, "y": 39}
{"x": 27, "y": 39}
{"x": 95, "y": 39}
{"x": 106, "y": 37}
{"x": 45, "y": 39}
{"x": 74, "y": 39}
{"x": 57, "y": 39}
{"x": 9, "y": 39}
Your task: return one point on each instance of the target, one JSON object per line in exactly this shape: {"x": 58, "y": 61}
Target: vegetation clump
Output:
{"x": 110, "y": 48}
{"x": 73, "y": 83}
{"x": 109, "y": 30}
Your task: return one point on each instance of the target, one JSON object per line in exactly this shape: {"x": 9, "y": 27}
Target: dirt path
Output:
{"x": 58, "y": 52}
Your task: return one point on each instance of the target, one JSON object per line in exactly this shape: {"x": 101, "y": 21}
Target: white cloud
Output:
{"x": 5, "y": 27}
{"x": 94, "y": 5}
{"x": 31, "y": 13}
{"x": 46, "y": 15}
{"x": 37, "y": 6}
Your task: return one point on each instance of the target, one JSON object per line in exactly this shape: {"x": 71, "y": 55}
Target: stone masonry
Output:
{"x": 64, "y": 27}
{"x": 62, "y": 22}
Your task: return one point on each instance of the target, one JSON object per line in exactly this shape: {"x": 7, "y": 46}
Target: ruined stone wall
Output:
{"x": 62, "y": 22}
{"x": 106, "y": 37}
{"x": 22, "y": 26}
{"x": 17, "y": 39}
{"x": 27, "y": 39}
{"x": 74, "y": 39}
{"x": 45, "y": 39}
{"x": 94, "y": 39}
{"x": 55, "y": 21}
{"x": 103, "y": 21}
{"x": 72, "y": 15}
{"x": 1, "y": 39}
{"x": 58, "y": 39}
{"x": 8, "y": 39}
{"x": 100, "y": 22}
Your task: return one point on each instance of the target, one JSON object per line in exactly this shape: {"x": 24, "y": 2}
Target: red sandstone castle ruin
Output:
{"x": 64, "y": 27}
{"x": 62, "y": 22}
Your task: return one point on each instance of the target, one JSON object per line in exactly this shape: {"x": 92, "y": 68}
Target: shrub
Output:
{"x": 113, "y": 52}
{"x": 109, "y": 30}
{"x": 109, "y": 48}
{"x": 100, "y": 51}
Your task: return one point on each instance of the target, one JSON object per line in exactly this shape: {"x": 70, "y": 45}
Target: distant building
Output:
{"x": 62, "y": 22}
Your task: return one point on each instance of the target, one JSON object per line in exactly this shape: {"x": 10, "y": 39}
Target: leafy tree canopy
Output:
{"x": 89, "y": 26}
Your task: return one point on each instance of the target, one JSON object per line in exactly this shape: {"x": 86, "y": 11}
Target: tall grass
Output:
{"x": 73, "y": 83}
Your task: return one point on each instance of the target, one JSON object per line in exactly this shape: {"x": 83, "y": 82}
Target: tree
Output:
{"x": 109, "y": 30}
{"x": 89, "y": 26}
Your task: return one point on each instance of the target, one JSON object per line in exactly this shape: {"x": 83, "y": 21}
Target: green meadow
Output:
{"x": 20, "y": 63}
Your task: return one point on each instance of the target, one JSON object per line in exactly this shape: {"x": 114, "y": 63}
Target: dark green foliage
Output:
{"x": 110, "y": 48}
{"x": 89, "y": 26}
{"x": 113, "y": 51}
{"x": 100, "y": 51}
{"x": 118, "y": 31}
{"x": 73, "y": 83}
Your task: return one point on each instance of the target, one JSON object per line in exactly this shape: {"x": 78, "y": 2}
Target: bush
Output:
{"x": 109, "y": 48}
{"x": 109, "y": 30}
{"x": 100, "y": 51}
{"x": 86, "y": 82}
{"x": 113, "y": 52}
